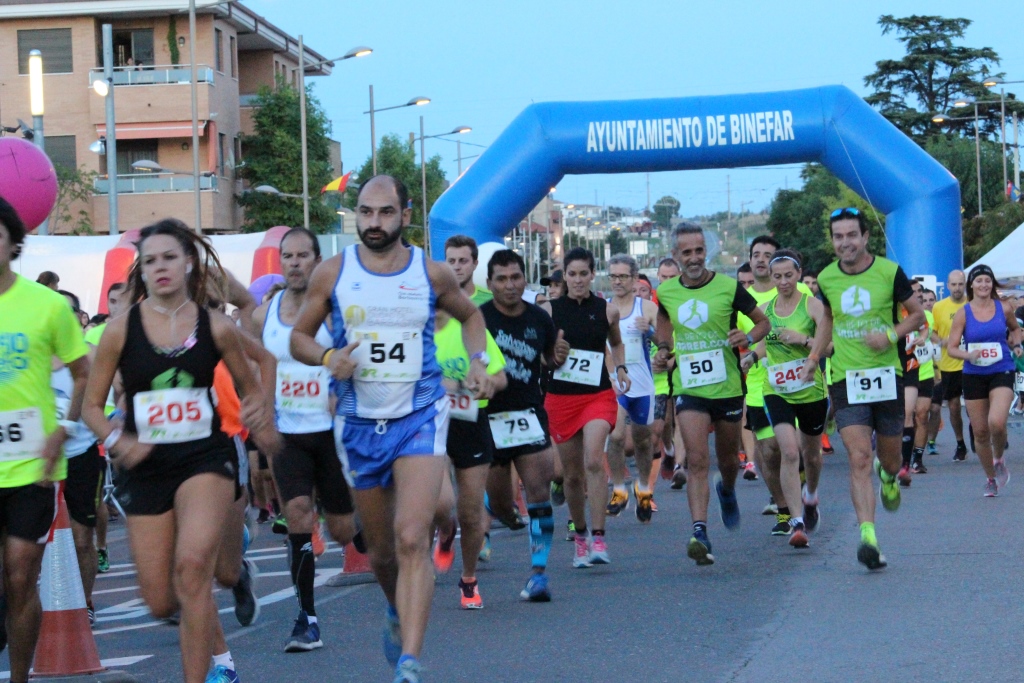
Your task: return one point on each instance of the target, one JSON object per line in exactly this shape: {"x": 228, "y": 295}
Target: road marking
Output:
{"x": 108, "y": 663}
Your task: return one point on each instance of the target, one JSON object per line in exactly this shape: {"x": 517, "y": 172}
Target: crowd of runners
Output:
{"x": 383, "y": 399}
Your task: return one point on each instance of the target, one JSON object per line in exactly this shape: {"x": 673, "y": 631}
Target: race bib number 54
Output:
{"x": 173, "y": 415}
{"x": 389, "y": 355}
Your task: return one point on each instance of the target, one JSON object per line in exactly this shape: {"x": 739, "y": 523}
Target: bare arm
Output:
{"x": 822, "y": 317}
{"x": 1014, "y": 330}
{"x": 101, "y": 376}
{"x": 956, "y": 334}
{"x": 316, "y": 306}
{"x": 618, "y": 349}
{"x": 914, "y": 320}
{"x": 452, "y": 299}
{"x": 760, "y": 330}
{"x": 237, "y": 295}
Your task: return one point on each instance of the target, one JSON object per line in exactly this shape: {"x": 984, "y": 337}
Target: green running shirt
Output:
{"x": 799, "y": 320}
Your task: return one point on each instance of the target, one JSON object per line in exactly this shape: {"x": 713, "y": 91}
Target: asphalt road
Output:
{"x": 944, "y": 609}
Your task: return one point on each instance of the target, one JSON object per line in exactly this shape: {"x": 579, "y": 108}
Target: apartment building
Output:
{"x": 237, "y": 52}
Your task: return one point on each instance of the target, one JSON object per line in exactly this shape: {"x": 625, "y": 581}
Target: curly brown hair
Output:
{"x": 198, "y": 249}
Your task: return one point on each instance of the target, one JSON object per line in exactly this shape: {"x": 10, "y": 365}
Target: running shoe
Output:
{"x": 103, "y": 561}
{"x": 470, "y": 598}
{"x": 668, "y": 466}
{"x": 280, "y": 525}
{"x": 991, "y": 489}
{"x": 485, "y": 552}
{"x": 221, "y": 674}
{"x": 305, "y": 636}
{"x": 1002, "y": 474}
{"x": 831, "y": 426}
{"x": 570, "y": 531}
{"x": 91, "y": 611}
{"x": 918, "y": 467}
{"x": 678, "y": 479}
{"x": 392, "y": 636}
{"x": 247, "y": 605}
{"x": 699, "y": 548}
{"x": 408, "y": 672}
{"x": 782, "y": 526}
{"x": 771, "y": 508}
{"x": 581, "y": 558}
{"x": 512, "y": 520}
{"x": 444, "y": 549}
{"x": 960, "y": 454}
{"x": 536, "y": 589}
{"x": 749, "y": 472}
{"x": 812, "y": 517}
{"x": 888, "y": 489}
{"x": 644, "y": 505}
{"x": 904, "y": 477}
{"x": 599, "y": 551}
{"x": 932, "y": 450}
{"x": 264, "y": 516}
{"x": 826, "y": 445}
{"x": 618, "y": 504}
{"x": 654, "y": 506}
{"x": 246, "y": 538}
{"x": 730, "y": 506}
{"x": 557, "y": 494}
{"x": 798, "y": 539}
{"x": 319, "y": 542}
{"x": 869, "y": 556}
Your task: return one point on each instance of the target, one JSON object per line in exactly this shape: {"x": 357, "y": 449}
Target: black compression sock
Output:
{"x": 908, "y": 444}
{"x": 303, "y": 570}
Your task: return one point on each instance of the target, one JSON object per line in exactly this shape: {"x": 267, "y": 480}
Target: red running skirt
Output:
{"x": 568, "y": 413}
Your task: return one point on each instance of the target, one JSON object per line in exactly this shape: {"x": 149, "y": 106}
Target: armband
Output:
{"x": 325, "y": 360}
{"x": 890, "y": 334}
{"x": 111, "y": 441}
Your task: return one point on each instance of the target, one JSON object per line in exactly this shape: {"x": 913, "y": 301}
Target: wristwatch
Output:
{"x": 750, "y": 339}
{"x": 482, "y": 357}
{"x": 623, "y": 368}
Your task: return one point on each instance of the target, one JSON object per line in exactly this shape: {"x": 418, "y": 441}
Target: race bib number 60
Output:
{"x": 173, "y": 415}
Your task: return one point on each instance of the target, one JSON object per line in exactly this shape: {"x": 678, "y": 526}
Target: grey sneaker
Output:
{"x": 991, "y": 489}
{"x": 247, "y": 604}
{"x": 1002, "y": 474}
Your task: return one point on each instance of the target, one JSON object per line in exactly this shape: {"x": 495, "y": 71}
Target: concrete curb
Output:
{"x": 343, "y": 579}
{"x": 108, "y": 676}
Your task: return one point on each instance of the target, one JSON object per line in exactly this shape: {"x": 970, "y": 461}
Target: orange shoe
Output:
{"x": 470, "y": 594}
{"x": 826, "y": 445}
{"x": 444, "y": 550}
{"x": 319, "y": 544}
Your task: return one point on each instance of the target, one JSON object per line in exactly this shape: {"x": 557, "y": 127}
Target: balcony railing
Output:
{"x": 155, "y": 75}
{"x": 139, "y": 183}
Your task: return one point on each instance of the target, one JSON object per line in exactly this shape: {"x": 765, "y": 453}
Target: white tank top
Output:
{"x": 63, "y": 384}
{"x": 303, "y": 391}
{"x": 638, "y": 357}
{"x": 392, "y": 314}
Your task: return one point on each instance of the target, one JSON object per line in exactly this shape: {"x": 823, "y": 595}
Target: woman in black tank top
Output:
{"x": 581, "y": 405}
{"x": 177, "y": 471}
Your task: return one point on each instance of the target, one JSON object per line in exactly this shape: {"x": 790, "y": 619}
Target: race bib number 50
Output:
{"x": 702, "y": 369}
{"x": 21, "y": 434}
{"x": 173, "y": 415}
{"x": 389, "y": 355}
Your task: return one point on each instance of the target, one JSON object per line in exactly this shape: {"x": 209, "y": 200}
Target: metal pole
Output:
{"x": 423, "y": 179}
{"x": 39, "y": 137}
{"x": 373, "y": 135}
{"x": 111, "y": 144}
{"x": 1016, "y": 153}
{"x": 977, "y": 152}
{"x": 302, "y": 126}
{"x": 458, "y": 153}
{"x": 195, "y": 114}
{"x": 1002, "y": 134}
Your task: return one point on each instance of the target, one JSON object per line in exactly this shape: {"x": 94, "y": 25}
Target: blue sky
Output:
{"x": 483, "y": 61}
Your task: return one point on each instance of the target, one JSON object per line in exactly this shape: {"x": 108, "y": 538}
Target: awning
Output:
{"x": 162, "y": 129}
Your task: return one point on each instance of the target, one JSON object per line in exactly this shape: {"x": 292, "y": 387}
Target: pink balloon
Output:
{"x": 27, "y": 180}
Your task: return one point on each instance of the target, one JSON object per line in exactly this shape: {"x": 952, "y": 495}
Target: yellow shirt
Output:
{"x": 943, "y": 312}
{"x": 36, "y": 324}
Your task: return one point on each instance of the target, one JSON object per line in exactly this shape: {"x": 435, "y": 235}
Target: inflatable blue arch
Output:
{"x": 830, "y": 125}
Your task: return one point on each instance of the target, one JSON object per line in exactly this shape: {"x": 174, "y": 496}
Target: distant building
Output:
{"x": 237, "y": 52}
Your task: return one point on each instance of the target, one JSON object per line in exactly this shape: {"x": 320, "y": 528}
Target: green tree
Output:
{"x": 273, "y": 156}
{"x": 74, "y": 186}
{"x": 982, "y": 233}
{"x": 959, "y": 156}
{"x": 935, "y": 71}
{"x": 617, "y": 242}
{"x": 398, "y": 158}
{"x": 665, "y": 209}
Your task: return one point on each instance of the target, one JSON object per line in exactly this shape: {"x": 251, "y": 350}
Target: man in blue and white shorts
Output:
{"x": 391, "y": 419}
{"x": 637, "y": 320}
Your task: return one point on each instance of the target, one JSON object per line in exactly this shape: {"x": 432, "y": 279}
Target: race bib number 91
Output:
{"x": 21, "y": 434}
{"x": 871, "y": 386}
{"x": 173, "y": 415}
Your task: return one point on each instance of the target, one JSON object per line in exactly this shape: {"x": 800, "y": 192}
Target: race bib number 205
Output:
{"x": 173, "y": 415}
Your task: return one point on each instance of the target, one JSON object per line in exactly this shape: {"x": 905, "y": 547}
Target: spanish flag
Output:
{"x": 338, "y": 184}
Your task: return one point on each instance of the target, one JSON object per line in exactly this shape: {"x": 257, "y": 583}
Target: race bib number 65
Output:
{"x": 173, "y": 415}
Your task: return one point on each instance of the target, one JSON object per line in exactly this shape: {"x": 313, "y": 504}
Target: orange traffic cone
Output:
{"x": 356, "y": 569}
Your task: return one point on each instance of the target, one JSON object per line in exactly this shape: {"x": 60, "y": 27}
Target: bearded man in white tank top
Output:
{"x": 391, "y": 420}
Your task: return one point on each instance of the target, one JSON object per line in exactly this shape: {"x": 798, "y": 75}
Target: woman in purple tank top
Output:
{"x": 989, "y": 339}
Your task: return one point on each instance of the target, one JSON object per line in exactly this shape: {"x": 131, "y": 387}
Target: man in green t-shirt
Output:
{"x": 862, "y": 294}
{"x": 461, "y": 253}
{"x": 698, "y": 310}
{"x": 36, "y": 325}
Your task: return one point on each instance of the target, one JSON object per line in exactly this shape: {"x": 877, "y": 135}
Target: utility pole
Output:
{"x": 110, "y": 149}
{"x": 1016, "y": 153}
{"x": 728, "y": 197}
{"x": 648, "y": 193}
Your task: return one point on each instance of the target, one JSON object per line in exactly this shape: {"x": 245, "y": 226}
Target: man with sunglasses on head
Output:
{"x": 862, "y": 293}
{"x": 697, "y": 320}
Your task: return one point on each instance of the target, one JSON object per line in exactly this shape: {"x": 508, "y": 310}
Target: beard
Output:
{"x": 379, "y": 239}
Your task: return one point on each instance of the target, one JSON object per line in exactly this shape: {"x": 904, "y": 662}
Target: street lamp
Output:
{"x": 150, "y": 166}
{"x": 991, "y": 83}
{"x": 414, "y": 102}
{"x": 942, "y": 118}
{"x": 270, "y": 189}
{"x": 104, "y": 87}
{"x": 423, "y": 175}
{"x": 360, "y": 51}
{"x": 35, "y": 96}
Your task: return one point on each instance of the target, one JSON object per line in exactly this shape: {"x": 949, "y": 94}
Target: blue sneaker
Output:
{"x": 730, "y": 507}
{"x": 305, "y": 636}
{"x": 408, "y": 671}
{"x": 699, "y": 548}
{"x": 222, "y": 674}
{"x": 536, "y": 589}
{"x": 246, "y": 539}
{"x": 392, "y": 637}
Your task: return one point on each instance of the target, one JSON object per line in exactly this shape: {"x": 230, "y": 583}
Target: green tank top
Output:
{"x": 701, "y": 320}
{"x": 927, "y": 370}
{"x": 660, "y": 378}
{"x": 454, "y": 360}
{"x": 757, "y": 376}
{"x": 799, "y": 320}
{"x": 861, "y": 303}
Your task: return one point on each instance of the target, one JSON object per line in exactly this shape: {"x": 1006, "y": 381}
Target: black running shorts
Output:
{"x": 27, "y": 512}
{"x": 83, "y": 485}
{"x": 470, "y": 443}
{"x": 308, "y": 462}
